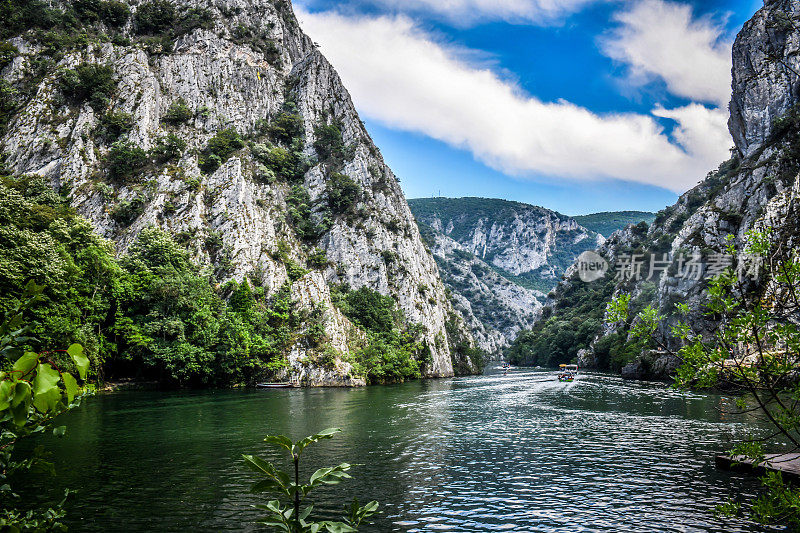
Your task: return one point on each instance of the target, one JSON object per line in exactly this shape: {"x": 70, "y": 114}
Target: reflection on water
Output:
{"x": 516, "y": 452}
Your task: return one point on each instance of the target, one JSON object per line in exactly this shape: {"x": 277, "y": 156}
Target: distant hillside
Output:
{"x": 608, "y": 222}
{"x": 499, "y": 258}
{"x": 527, "y": 244}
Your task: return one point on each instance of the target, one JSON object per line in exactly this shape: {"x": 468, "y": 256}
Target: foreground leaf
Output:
{"x": 81, "y": 361}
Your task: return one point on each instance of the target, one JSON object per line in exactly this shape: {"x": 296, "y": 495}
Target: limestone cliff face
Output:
{"x": 524, "y": 241}
{"x": 228, "y": 81}
{"x": 765, "y": 73}
{"x": 757, "y": 189}
{"x": 499, "y": 259}
{"x": 494, "y": 308}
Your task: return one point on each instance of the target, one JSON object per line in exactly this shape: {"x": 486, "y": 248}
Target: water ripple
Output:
{"x": 516, "y": 452}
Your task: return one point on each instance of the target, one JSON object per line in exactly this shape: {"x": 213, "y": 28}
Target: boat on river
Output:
{"x": 568, "y": 373}
{"x": 277, "y": 385}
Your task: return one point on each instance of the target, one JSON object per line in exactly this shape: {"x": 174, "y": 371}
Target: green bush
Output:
{"x": 89, "y": 83}
{"x": 178, "y": 113}
{"x": 290, "y": 165}
{"x": 7, "y": 53}
{"x": 192, "y": 19}
{"x": 168, "y": 147}
{"x": 126, "y": 211}
{"x": 318, "y": 259}
{"x": 19, "y": 16}
{"x": 242, "y": 300}
{"x": 8, "y": 103}
{"x": 219, "y": 149}
{"x": 264, "y": 174}
{"x": 299, "y": 214}
{"x": 124, "y": 160}
{"x": 328, "y": 142}
{"x": 342, "y": 193}
{"x": 113, "y": 13}
{"x": 155, "y": 17}
{"x": 370, "y": 310}
{"x": 113, "y": 125}
{"x": 287, "y": 127}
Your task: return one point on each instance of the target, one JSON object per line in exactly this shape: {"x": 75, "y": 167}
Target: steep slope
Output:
{"x": 499, "y": 259}
{"x": 528, "y": 244}
{"x": 226, "y": 127}
{"x": 494, "y": 308}
{"x": 756, "y": 189}
{"x": 607, "y": 222}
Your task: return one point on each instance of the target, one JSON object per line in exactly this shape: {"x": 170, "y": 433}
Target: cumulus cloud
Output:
{"x": 662, "y": 40}
{"x": 403, "y": 77}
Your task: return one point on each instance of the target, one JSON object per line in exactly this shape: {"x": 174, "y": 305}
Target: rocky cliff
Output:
{"x": 495, "y": 309}
{"x": 261, "y": 162}
{"x": 499, "y": 259}
{"x": 529, "y": 244}
{"x": 756, "y": 189}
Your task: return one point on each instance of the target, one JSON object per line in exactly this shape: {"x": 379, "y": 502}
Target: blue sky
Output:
{"x": 576, "y": 105}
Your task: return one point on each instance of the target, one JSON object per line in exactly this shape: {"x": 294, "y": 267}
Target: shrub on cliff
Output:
{"x": 124, "y": 160}
{"x": 342, "y": 192}
{"x": 113, "y": 125}
{"x": 89, "y": 83}
{"x": 178, "y": 113}
{"x": 328, "y": 142}
{"x": 154, "y": 17}
{"x": 219, "y": 149}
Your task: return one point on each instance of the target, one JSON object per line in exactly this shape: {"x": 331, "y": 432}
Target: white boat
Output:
{"x": 568, "y": 373}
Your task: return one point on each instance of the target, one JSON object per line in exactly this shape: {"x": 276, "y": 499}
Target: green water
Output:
{"x": 520, "y": 452}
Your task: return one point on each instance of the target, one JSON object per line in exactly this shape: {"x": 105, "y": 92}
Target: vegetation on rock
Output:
{"x": 89, "y": 83}
{"x": 35, "y": 388}
{"x": 753, "y": 353}
{"x": 219, "y": 149}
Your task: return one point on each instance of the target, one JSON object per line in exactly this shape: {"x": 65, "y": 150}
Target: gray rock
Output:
{"x": 633, "y": 370}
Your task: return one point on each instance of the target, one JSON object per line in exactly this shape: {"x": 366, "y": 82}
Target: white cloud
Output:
{"x": 402, "y": 77}
{"x": 465, "y": 12}
{"x": 658, "y": 39}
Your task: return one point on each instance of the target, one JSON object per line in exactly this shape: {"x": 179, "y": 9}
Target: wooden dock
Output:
{"x": 787, "y": 464}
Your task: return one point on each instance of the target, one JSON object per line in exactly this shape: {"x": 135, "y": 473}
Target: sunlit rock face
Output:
{"x": 499, "y": 259}
{"x": 231, "y": 81}
{"x": 766, "y": 82}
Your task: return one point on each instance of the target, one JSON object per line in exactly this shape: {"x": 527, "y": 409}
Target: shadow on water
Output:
{"x": 516, "y": 452}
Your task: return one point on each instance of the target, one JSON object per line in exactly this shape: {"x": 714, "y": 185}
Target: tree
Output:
{"x": 342, "y": 191}
{"x": 292, "y": 518}
{"x": 752, "y": 349}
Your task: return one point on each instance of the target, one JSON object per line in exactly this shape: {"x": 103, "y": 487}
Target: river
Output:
{"x": 516, "y": 452}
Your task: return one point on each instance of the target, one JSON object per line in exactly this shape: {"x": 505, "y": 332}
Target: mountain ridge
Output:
{"x": 499, "y": 259}
{"x": 233, "y": 133}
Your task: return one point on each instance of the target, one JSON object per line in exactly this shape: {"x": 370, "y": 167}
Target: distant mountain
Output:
{"x": 499, "y": 259}
{"x": 608, "y": 222}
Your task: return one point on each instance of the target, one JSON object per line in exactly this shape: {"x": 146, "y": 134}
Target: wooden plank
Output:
{"x": 787, "y": 464}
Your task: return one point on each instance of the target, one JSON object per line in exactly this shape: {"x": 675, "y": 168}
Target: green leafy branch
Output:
{"x": 291, "y": 518}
